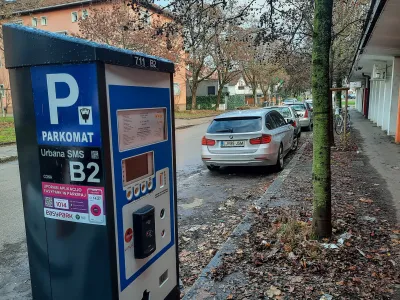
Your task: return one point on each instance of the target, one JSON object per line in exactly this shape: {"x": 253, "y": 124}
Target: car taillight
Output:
{"x": 306, "y": 114}
{"x": 294, "y": 124}
{"x": 207, "y": 142}
{"x": 264, "y": 139}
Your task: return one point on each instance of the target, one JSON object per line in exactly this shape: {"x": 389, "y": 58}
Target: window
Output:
{"x": 64, "y": 32}
{"x": 74, "y": 16}
{"x": 85, "y": 14}
{"x": 241, "y": 85}
{"x": 19, "y": 22}
{"x": 284, "y": 111}
{"x": 278, "y": 119}
{"x": 34, "y": 22}
{"x": 145, "y": 17}
{"x": 2, "y": 91}
{"x": 44, "y": 21}
{"x": 269, "y": 122}
{"x": 211, "y": 90}
{"x": 177, "y": 89}
{"x": 235, "y": 125}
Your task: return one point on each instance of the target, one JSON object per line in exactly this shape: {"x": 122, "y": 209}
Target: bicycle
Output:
{"x": 339, "y": 122}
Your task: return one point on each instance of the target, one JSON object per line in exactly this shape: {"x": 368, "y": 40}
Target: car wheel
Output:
{"x": 295, "y": 143}
{"x": 299, "y": 134}
{"x": 309, "y": 128}
{"x": 279, "y": 162}
{"x": 213, "y": 168}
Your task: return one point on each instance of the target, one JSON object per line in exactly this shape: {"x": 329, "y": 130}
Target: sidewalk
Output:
{"x": 9, "y": 152}
{"x": 383, "y": 154}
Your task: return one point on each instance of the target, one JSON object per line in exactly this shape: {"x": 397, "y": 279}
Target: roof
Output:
{"x": 243, "y": 113}
{"x": 48, "y": 5}
{"x": 53, "y": 48}
{"x": 374, "y": 12}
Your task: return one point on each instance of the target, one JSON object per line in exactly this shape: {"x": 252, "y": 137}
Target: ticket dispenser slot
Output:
{"x": 144, "y": 231}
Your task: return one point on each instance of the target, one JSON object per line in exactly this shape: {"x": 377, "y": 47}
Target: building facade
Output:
{"x": 376, "y": 67}
{"x": 62, "y": 16}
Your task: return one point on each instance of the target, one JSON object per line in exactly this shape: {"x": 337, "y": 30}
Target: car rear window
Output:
{"x": 235, "y": 125}
{"x": 284, "y": 111}
{"x": 298, "y": 107}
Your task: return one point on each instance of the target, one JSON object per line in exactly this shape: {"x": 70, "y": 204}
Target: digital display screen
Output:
{"x": 141, "y": 127}
{"x": 138, "y": 167}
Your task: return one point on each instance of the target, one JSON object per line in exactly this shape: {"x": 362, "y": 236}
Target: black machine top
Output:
{"x": 27, "y": 46}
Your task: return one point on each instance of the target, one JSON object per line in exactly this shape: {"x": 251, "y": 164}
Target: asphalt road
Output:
{"x": 200, "y": 194}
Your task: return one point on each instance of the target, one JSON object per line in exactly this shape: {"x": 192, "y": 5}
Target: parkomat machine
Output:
{"x": 142, "y": 155}
{"x": 95, "y": 138}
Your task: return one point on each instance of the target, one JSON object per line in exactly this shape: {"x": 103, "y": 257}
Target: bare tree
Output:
{"x": 122, "y": 27}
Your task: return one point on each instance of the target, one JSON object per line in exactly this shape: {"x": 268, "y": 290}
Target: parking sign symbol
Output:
{"x": 85, "y": 115}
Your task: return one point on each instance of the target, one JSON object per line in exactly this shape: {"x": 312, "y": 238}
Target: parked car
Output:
{"x": 309, "y": 104}
{"x": 257, "y": 137}
{"x": 290, "y": 101}
{"x": 305, "y": 115}
{"x": 290, "y": 116}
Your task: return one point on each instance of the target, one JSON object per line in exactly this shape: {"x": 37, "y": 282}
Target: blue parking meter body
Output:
{"x": 95, "y": 139}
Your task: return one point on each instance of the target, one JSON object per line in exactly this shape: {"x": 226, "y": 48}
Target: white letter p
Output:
{"x": 54, "y": 102}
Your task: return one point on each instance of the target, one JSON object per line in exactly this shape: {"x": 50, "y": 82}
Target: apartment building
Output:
{"x": 62, "y": 16}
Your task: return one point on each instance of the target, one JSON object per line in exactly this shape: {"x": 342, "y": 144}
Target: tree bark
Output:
{"x": 338, "y": 95}
{"x": 322, "y": 226}
{"x": 219, "y": 95}
{"x": 194, "y": 92}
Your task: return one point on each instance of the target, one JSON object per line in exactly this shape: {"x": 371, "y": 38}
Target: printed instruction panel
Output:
{"x": 141, "y": 127}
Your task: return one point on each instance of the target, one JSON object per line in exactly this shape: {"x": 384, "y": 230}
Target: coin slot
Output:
{"x": 163, "y": 233}
{"x": 162, "y": 213}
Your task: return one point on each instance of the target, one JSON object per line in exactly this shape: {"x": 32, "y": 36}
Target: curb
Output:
{"x": 204, "y": 286}
{"x": 197, "y": 118}
{"x": 8, "y": 159}
{"x": 185, "y": 126}
{"x": 7, "y": 144}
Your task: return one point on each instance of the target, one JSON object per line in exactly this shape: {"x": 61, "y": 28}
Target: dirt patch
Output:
{"x": 279, "y": 260}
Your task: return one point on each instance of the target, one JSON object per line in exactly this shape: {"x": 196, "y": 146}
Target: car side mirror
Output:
{"x": 291, "y": 122}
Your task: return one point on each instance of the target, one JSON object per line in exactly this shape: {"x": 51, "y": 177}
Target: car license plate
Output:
{"x": 232, "y": 143}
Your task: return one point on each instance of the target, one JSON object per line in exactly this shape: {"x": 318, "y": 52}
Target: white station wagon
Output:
{"x": 257, "y": 137}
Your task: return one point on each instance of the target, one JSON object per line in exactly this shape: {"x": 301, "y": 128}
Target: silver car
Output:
{"x": 259, "y": 137}
{"x": 292, "y": 118}
{"x": 305, "y": 115}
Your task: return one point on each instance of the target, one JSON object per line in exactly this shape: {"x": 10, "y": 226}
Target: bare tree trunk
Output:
{"x": 322, "y": 214}
{"x": 338, "y": 96}
{"x": 219, "y": 96}
{"x": 194, "y": 92}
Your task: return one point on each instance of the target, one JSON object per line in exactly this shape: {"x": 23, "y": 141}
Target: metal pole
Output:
{"x": 345, "y": 119}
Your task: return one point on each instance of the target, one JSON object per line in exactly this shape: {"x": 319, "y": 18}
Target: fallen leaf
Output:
{"x": 366, "y": 200}
{"x": 273, "y": 291}
{"x": 230, "y": 297}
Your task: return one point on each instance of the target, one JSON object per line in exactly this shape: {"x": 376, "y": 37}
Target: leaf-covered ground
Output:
{"x": 279, "y": 260}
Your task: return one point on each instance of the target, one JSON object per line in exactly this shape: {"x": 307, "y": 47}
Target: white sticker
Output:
{"x": 140, "y": 127}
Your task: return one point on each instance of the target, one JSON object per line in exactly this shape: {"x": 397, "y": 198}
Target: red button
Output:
{"x": 96, "y": 210}
{"x": 128, "y": 235}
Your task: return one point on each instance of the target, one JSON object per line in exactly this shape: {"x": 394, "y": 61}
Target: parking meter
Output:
{"x": 95, "y": 138}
